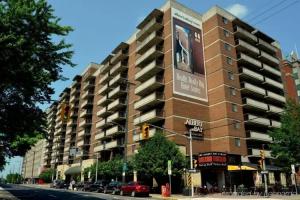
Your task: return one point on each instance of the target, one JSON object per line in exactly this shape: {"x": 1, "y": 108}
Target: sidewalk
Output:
{"x": 5, "y": 195}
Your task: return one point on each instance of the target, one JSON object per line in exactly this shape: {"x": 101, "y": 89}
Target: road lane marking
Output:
{"x": 51, "y": 195}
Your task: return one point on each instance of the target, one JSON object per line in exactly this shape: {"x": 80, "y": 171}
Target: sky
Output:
{"x": 100, "y": 25}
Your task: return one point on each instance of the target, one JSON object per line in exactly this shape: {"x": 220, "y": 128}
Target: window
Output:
{"x": 236, "y": 124}
{"x": 232, "y": 91}
{"x": 237, "y": 142}
{"x": 229, "y": 60}
{"x": 234, "y": 107}
{"x": 226, "y": 33}
{"x": 227, "y": 47}
{"x": 224, "y": 20}
{"x": 230, "y": 76}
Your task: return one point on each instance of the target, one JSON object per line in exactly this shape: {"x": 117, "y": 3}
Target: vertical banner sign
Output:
{"x": 188, "y": 56}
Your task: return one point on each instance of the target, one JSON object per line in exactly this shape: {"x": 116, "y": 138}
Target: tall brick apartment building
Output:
{"x": 179, "y": 70}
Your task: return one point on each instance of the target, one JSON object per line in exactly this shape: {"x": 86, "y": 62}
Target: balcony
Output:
{"x": 252, "y": 89}
{"x": 247, "y": 36}
{"x": 83, "y": 133}
{"x": 120, "y": 78}
{"x": 114, "y": 131}
{"x": 275, "y": 109}
{"x": 149, "y": 55}
{"x": 256, "y": 120}
{"x": 148, "y": 71}
{"x": 247, "y": 73}
{"x": 112, "y": 144}
{"x": 266, "y": 46}
{"x": 253, "y": 104}
{"x": 103, "y": 80}
{"x": 105, "y": 67}
{"x": 150, "y": 117}
{"x": 246, "y": 47}
{"x": 275, "y": 124}
{"x": 149, "y": 101}
{"x": 153, "y": 39}
{"x": 256, "y": 153}
{"x": 66, "y": 158}
{"x": 116, "y": 104}
{"x": 103, "y": 101}
{"x": 80, "y": 143}
{"x": 86, "y": 103}
{"x": 272, "y": 83}
{"x": 87, "y": 94}
{"x": 67, "y": 140}
{"x": 89, "y": 84}
{"x": 100, "y": 135}
{"x": 117, "y": 92}
{"x": 119, "y": 67}
{"x": 87, "y": 122}
{"x": 276, "y": 97}
{"x": 272, "y": 70}
{"x": 104, "y": 112}
{"x": 86, "y": 113}
{"x": 152, "y": 25}
{"x": 75, "y": 90}
{"x": 104, "y": 89}
{"x": 99, "y": 148}
{"x": 138, "y": 137}
{"x": 116, "y": 117}
{"x": 245, "y": 60}
{"x": 150, "y": 85}
{"x": 265, "y": 57}
{"x": 253, "y": 135}
{"x": 120, "y": 55}
{"x": 100, "y": 123}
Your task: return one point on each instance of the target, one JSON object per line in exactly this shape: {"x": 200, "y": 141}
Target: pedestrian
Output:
{"x": 73, "y": 184}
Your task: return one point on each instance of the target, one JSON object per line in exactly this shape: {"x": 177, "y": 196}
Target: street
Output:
{"x": 28, "y": 193}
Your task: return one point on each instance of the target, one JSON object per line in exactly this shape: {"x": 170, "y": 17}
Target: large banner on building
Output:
{"x": 188, "y": 57}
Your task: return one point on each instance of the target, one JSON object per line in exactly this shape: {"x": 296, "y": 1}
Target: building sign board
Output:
{"x": 212, "y": 159}
{"x": 189, "y": 78}
{"x": 195, "y": 126}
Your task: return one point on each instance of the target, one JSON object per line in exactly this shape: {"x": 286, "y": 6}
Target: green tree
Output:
{"x": 14, "y": 178}
{"x": 152, "y": 158}
{"x": 32, "y": 53}
{"x": 47, "y": 175}
{"x": 286, "y": 148}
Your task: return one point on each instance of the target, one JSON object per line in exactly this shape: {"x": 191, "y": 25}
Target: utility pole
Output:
{"x": 32, "y": 167}
{"x": 264, "y": 168}
{"x": 191, "y": 160}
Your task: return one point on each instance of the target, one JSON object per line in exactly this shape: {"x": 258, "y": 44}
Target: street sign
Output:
{"x": 192, "y": 170}
{"x": 264, "y": 172}
{"x": 169, "y": 167}
{"x": 293, "y": 169}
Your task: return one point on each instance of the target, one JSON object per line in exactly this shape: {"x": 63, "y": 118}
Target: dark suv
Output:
{"x": 113, "y": 187}
{"x": 98, "y": 186}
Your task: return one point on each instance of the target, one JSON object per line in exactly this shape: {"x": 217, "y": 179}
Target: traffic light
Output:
{"x": 65, "y": 112}
{"x": 145, "y": 131}
{"x": 260, "y": 164}
{"x": 262, "y": 154}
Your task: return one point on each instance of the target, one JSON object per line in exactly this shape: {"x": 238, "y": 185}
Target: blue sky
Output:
{"x": 101, "y": 25}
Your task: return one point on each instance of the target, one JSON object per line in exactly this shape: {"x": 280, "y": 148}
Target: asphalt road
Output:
{"x": 29, "y": 193}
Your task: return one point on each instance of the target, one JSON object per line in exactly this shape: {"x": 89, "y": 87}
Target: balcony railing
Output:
{"x": 80, "y": 143}
{"x": 114, "y": 130}
{"x": 153, "y": 39}
{"x": 273, "y": 83}
{"x": 152, "y": 25}
{"x": 99, "y": 148}
{"x": 104, "y": 101}
{"x": 86, "y": 122}
{"x": 117, "y": 92}
{"x": 151, "y": 54}
{"x": 266, "y": 46}
{"x": 251, "y": 74}
{"x": 118, "y": 116}
{"x": 275, "y": 109}
{"x": 276, "y": 97}
{"x": 120, "y": 78}
{"x": 259, "y": 136}
{"x": 119, "y": 67}
{"x": 244, "y": 59}
{"x": 148, "y": 71}
{"x": 275, "y": 124}
{"x": 268, "y": 58}
{"x": 104, "y": 89}
{"x": 103, "y": 80}
{"x": 271, "y": 70}
{"x": 104, "y": 112}
{"x": 88, "y": 85}
{"x": 247, "y": 36}
{"x": 105, "y": 68}
{"x": 116, "y": 104}
{"x": 255, "y": 104}
{"x": 121, "y": 54}
{"x": 150, "y": 85}
{"x": 87, "y": 103}
{"x": 84, "y": 133}
{"x": 87, "y": 94}
{"x": 253, "y": 119}
{"x": 150, "y": 117}
{"x": 100, "y": 135}
{"x": 252, "y": 89}
{"x": 149, "y": 101}
{"x": 246, "y": 47}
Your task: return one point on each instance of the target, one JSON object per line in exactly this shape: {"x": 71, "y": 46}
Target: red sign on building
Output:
{"x": 212, "y": 159}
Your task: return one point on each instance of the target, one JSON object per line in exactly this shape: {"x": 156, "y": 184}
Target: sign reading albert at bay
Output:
{"x": 195, "y": 127}
{"x": 188, "y": 60}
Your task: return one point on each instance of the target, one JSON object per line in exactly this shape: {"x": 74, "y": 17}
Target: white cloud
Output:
{"x": 238, "y": 10}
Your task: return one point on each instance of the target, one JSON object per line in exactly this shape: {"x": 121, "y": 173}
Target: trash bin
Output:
{"x": 165, "y": 191}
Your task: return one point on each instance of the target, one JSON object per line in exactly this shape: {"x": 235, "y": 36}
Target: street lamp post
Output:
{"x": 191, "y": 160}
{"x": 97, "y": 163}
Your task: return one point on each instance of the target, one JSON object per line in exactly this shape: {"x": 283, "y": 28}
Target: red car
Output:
{"x": 134, "y": 188}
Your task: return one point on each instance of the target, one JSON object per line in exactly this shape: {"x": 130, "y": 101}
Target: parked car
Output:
{"x": 78, "y": 186}
{"x": 134, "y": 188}
{"x": 113, "y": 187}
{"x": 86, "y": 186}
{"x": 59, "y": 184}
{"x": 98, "y": 186}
